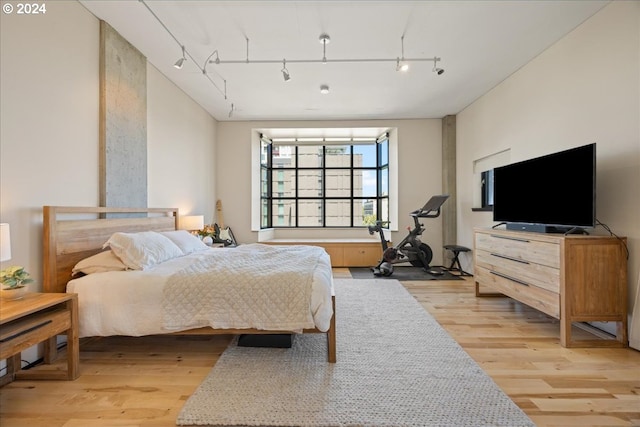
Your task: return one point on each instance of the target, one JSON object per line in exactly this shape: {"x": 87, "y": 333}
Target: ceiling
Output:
{"x": 480, "y": 44}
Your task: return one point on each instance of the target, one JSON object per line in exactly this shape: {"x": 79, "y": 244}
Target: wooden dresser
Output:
{"x": 574, "y": 278}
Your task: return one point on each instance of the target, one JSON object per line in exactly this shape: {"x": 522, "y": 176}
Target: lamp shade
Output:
{"x": 5, "y": 242}
{"x": 191, "y": 222}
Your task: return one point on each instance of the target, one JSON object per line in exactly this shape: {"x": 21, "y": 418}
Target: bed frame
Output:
{"x": 71, "y": 234}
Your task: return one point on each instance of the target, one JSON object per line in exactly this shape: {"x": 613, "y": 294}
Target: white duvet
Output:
{"x": 131, "y": 302}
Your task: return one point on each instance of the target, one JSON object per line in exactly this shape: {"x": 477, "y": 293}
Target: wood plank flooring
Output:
{"x": 145, "y": 381}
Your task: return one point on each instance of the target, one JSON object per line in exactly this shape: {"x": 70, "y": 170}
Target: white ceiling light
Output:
{"x": 324, "y": 89}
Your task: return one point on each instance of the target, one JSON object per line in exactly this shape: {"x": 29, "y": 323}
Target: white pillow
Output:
{"x": 185, "y": 241}
{"x": 99, "y": 263}
{"x": 139, "y": 251}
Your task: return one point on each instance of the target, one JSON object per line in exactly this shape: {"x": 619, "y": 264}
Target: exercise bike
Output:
{"x": 411, "y": 249}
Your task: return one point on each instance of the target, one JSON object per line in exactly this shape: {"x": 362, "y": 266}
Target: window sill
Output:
{"x": 484, "y": 209}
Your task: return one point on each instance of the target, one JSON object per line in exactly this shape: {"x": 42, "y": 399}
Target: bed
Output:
{"x": 165, "y": 299}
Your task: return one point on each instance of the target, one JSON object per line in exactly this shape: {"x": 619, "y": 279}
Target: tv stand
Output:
{"x": 573, "y": 278}
{"x": 576, "y": 230}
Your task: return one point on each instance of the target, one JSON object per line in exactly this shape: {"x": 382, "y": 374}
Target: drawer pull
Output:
{"x": 510, "y": 238}
{"x": 510, "y": 258}
{"x": 25, "y": 331}
{"x": 504, "y": 276}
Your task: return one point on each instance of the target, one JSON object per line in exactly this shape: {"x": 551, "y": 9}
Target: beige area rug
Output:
{"x": 396, "y": 367}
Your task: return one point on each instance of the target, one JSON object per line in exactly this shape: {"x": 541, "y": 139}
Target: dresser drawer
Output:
{"x": 534, "y": 251}
{"x": 533, "y": 274}
{"x": 31, "y": 330}
{"x": 541, "y": 299}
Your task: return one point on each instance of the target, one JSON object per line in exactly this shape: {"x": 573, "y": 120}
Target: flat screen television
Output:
{"x": 552, "y": 193}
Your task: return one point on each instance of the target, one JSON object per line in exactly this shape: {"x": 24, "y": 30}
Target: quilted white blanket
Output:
{"x": 253, "y": 286}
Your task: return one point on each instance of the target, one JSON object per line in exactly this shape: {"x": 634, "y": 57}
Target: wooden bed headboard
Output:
{"x": 74, "y": 233}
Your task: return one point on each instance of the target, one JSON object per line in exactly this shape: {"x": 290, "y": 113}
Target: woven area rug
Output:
{"x": 396, "y": 367}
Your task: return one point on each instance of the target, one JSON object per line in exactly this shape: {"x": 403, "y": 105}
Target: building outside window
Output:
{"x": 324, "y": 185}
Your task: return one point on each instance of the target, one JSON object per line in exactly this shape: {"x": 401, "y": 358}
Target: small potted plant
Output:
{"x": 13, "y": 282}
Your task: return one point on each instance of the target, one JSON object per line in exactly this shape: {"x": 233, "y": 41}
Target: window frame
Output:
{"x": 381, "y": 201}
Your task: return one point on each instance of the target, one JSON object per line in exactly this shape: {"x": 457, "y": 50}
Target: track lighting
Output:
{"x": 211, "y": 61}
{"x": 185, "y": 52}
{"x": 324, "y": 39}
{"x": 401, "y": 64}
{"x": 436, "y": 69}
{"x": 180, "y": 61}
{"x": 285, "y": 72}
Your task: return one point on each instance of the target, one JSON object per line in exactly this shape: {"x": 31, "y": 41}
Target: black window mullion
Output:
{"x": 269, "y": 195}
{"x": 323, "y": 188}
{"x": 295, "y": 198}
{"x": 297, "y": 182}
{"x": 351, "y": 195}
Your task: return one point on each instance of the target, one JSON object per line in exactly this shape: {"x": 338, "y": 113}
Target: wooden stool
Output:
{"x": 455, "y": 263}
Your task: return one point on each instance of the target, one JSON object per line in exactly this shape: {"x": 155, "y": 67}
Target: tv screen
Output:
{"x": 555, "y": 190}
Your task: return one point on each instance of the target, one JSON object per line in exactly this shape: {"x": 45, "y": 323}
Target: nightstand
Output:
{"x": 36, "y": 318}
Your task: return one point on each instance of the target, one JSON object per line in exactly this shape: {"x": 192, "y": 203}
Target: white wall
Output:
{"x": 419, "y": 177}
{"x": 48, "y": 121}
{"x": 584, "y": 89}
{"x": 49, "y": 105}
{"x": 181, "y": 150}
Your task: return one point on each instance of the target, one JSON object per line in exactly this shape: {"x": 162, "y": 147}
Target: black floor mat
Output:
{"x": 404, "y": 273}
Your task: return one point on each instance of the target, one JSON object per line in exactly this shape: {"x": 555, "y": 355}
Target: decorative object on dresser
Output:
{"x": 573, "y": 278}
{"x": 14, "y": 282}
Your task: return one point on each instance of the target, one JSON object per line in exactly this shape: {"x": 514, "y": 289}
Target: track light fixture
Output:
{"x": 324, "y": 39}
{"x": 211, "y": 61}
{"x": 401, "y": 64}
{"x": 285, "y": 72}
{"x": 186, "y": 54}
{"x": 436, "y": 69}
{"x": 180, "y": 61}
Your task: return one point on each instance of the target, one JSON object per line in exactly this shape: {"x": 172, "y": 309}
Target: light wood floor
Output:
{"x": 145, "y": 381}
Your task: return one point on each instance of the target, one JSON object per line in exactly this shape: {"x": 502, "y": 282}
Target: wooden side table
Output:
{"x": 36, "y": 318}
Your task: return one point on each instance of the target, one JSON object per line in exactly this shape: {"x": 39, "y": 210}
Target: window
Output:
{"x": 487, "y": 188}
{"x": 483, "y": 178}
{"x": 314, "y": 185}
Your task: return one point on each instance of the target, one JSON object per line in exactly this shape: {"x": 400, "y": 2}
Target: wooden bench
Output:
{"x": 343, "y": 252}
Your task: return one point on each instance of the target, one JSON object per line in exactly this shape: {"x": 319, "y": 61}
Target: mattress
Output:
{"x": 130, "y": 302}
